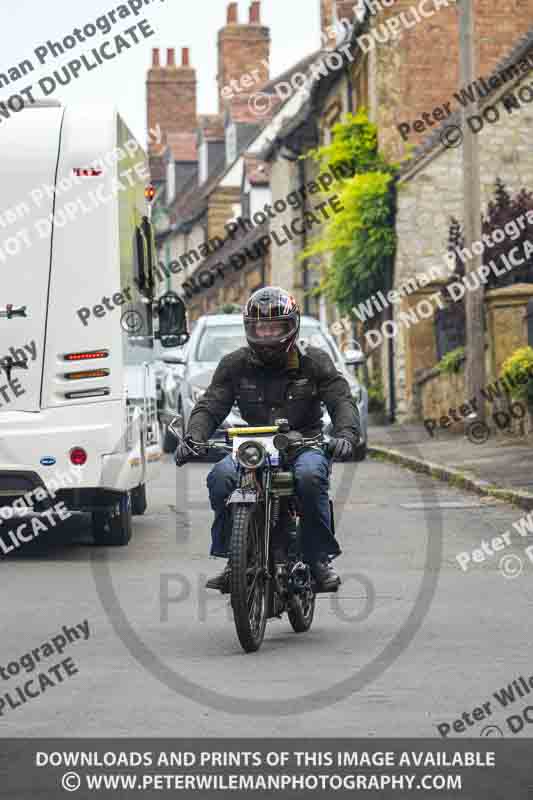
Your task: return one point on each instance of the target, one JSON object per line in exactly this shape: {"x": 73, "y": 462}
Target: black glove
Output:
{"x": 341, "y": 449}
{"x": 186, "y": 450}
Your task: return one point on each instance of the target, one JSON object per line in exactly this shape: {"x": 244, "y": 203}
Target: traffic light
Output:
{"x": 149, "y": 193}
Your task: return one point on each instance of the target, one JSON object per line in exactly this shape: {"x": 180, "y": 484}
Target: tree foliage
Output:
{"x": 518, "y": 367}
{"x": 361, "y": 237}
{"x": 452, "y": 362}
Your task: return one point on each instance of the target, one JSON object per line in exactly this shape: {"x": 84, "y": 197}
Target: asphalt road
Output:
{"x": 411, "y": 641}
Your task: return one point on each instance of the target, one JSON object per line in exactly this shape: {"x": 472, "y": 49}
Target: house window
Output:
{"x": 331, "y": 116}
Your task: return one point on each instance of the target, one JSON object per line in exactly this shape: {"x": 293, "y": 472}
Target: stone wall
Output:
{"x": 287, "y": 269}
{"x": 441, "y": 392}
{"x": 440, "y": 396}
{"x": 432, "y": 394}
{"x": 418, "y": 345}
{"x": 431, "y": 191}
{"x": 221, "y": 203}
{"x": 507, "y": 322}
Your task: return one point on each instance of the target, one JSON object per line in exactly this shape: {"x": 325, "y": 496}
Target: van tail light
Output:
{"x": 78, "y": 456}
{"x": 89, "y": 373}
{"x": 87, "y": 393}
{"x": 90, "y": 172}
{"x": 87, "y": 356}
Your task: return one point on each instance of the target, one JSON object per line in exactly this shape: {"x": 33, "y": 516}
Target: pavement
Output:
{"x": 411, "y": 642}
{"x": 502, "y": 467}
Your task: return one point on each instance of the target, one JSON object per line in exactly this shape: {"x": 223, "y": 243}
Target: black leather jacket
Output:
{"x": 293, "y": 392}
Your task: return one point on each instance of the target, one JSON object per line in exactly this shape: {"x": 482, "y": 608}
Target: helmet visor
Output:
{"x": 269, "y": 332}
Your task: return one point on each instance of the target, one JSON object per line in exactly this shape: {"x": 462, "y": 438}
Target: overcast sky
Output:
{"x": 295, "y": 31}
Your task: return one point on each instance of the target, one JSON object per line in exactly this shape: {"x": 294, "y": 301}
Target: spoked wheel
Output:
{"x": 250, "y": 587}
{"x": 478, "y": 432}
{"x": 301, "y": 611}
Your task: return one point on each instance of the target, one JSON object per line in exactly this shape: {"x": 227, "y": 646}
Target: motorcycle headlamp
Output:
{"x": 251, "y": 455}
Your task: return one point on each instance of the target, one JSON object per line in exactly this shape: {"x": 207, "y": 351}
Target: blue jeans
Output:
{"x": 311, "y": 472}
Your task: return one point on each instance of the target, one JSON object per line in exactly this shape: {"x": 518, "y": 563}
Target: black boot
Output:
{"x": 221, "y": 582}
{"x": 325, "y": 576}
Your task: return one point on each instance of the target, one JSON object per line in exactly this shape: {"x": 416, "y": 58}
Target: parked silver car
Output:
{"x": 216, "y": 335}
{"x": 165, "y": 367}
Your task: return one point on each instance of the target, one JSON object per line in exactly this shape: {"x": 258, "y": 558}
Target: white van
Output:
{"x": 77, "y": 310}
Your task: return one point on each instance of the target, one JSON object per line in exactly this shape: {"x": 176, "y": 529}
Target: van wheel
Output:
{"x": 138, "y": 500}
{"x": 113, "y": 527}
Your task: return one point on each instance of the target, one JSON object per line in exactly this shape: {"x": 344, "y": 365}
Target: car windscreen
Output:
{"x": 216, "y": 341}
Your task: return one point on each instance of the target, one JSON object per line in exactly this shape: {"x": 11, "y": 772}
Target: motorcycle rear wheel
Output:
{"x": 250, "y": 586}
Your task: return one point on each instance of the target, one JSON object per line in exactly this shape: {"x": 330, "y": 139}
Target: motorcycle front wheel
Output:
{"x": 250, "y": 586}
{"x": 301, "y": 611}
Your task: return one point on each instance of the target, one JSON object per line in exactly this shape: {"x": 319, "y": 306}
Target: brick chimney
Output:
{"x": 242, "y": 48}
{"x": 327, "y": 14}
{"x": 345, "y": 10}
{"x": 171, "y": 94}
{"x": 255, "y": 13}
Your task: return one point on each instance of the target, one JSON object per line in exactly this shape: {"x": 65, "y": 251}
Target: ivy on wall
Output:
{"x": 361, "y": 237}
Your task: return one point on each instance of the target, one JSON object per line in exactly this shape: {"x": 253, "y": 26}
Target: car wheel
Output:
{"x": 138, "y": 500}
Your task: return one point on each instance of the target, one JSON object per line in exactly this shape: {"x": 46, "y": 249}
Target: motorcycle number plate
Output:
{"x": 266, "y": 441}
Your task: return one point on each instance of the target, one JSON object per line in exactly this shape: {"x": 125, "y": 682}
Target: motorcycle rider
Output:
{"x": 277, "y": 377}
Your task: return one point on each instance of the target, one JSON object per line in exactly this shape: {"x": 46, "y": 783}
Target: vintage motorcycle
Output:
{"x": 268, "y": 574}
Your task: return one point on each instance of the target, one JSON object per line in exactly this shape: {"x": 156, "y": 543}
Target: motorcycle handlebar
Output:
{"x": 316, "y": 441}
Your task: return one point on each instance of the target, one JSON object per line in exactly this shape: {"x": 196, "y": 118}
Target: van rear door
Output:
{"x": 29, "y": 151}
